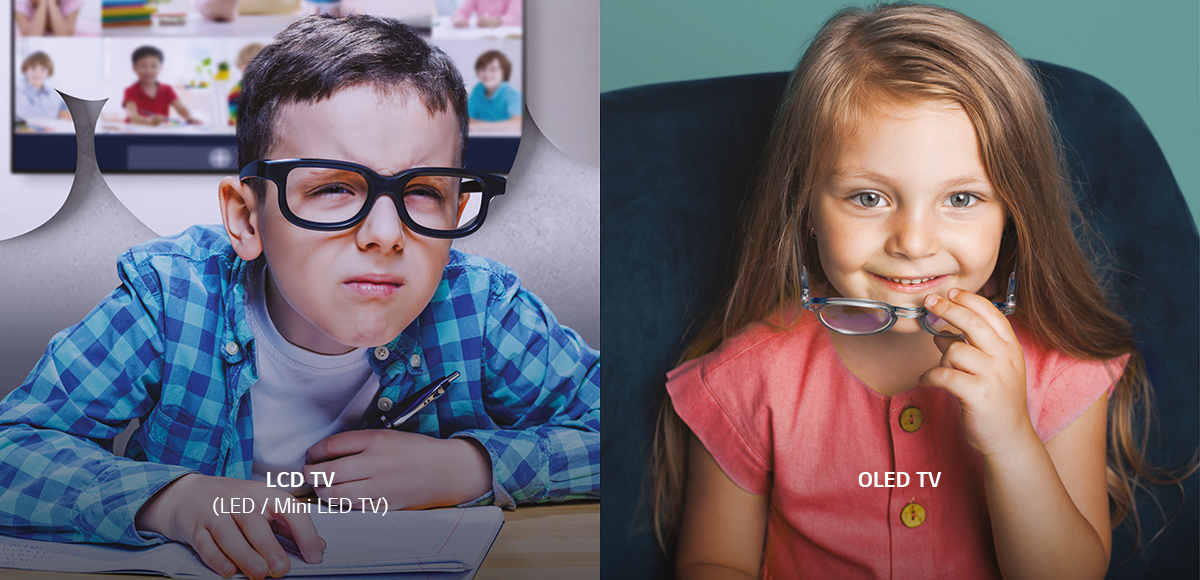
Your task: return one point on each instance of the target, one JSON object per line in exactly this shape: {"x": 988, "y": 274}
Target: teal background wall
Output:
{"x": 1149, "y": 51}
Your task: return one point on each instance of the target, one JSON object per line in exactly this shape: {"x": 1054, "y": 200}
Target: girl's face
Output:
{"x": 908, "y": 210}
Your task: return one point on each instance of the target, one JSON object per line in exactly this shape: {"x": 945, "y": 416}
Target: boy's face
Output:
{"x": 330, "y": 292}
{"x": 147, "y": 69}
{"x": 37, "y": 75}
{"x": 491, "y": 75}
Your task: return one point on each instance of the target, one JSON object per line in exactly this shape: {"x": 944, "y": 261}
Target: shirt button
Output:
{"x": 384, "y": 404}
{"x": 381, "y": 352}
{"x": 231, "y": 348}
{"x": 911, "y": 419}
{"x": 415, "y": 361}
{"x": 912, "y": 515}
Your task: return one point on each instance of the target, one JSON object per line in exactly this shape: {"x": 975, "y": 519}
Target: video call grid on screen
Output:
{"x": 201, "y": 65}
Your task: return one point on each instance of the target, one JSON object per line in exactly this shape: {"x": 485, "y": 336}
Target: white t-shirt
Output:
{"x": 301, "y": 397}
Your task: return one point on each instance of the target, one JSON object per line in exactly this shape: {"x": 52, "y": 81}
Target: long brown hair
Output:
{"x": 913, "y": 54}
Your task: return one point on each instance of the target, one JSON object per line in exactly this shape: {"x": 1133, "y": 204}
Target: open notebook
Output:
{"x": 438, "y": 545}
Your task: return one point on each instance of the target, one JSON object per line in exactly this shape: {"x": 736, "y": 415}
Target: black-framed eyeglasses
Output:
{"x": 329, "y": 195}
{"x": 860, "y": 317}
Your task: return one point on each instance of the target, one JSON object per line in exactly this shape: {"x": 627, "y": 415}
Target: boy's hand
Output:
{"x": 459, "y": 22}
{"x": 183, "y": 511}
{"x": 488, "y": 22}
{"x": 986, "y": 373}
{"x": 412, "y": 471}
{"x": 157, "y": 119}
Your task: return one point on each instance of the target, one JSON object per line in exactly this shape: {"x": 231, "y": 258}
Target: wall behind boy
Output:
{"x": 546, "y": 228}
{"x": 1150, "y": 53}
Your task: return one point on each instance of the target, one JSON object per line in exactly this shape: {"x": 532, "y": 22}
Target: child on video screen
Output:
{"x": 147, "y": 101}
{"x": 245, "y": 55}
{"x": 34, "y": 99}
{"x": 912, "y": 373}
{"x": 330, "y": 293}
{"x": 492, "y": 99}
{"x": 488, "y": 13}
{"x": 46, "y": 17}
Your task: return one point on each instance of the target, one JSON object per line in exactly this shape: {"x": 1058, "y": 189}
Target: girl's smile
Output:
{"x": 908, "y": 209}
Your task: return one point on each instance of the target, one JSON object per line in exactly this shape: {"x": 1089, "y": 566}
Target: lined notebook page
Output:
{"x": 436, "y": 544}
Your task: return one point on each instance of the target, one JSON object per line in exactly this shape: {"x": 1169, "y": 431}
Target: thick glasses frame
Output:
{"x": 895, "y": 312}
{"x": 276, "y": 171}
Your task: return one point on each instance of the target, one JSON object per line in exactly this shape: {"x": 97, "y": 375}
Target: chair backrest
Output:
{"x": 677, "y": 160}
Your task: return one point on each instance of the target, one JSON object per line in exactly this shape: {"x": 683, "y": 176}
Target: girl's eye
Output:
{"x": 869, "y": 199}
{"x": 961, "y": 200}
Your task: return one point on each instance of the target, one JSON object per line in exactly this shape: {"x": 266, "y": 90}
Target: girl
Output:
{"x": 912, "y": 187}
{"x": 46, "y": 17}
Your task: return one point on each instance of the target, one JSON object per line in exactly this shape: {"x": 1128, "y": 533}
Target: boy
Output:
{"x": 265, "y": 348}
{"x": 148, "y": 102}
{"x": 493, "y": 102}
{"x": 34, "y": 99}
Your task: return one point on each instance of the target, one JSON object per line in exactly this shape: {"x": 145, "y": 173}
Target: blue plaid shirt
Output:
{"x": 171, "y": 347}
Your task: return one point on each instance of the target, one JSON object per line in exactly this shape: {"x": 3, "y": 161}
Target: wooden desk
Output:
{"x": 548, "y": 542}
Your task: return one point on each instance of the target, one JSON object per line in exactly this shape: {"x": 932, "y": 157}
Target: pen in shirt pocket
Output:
{"x": 404, "y": 410}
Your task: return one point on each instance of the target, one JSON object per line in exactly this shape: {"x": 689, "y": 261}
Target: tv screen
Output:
{"x": 172, "y": 109}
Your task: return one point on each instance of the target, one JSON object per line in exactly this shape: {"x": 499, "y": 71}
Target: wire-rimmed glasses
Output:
{"x": 329, "y": 195}
{"x": 860, "y": 317}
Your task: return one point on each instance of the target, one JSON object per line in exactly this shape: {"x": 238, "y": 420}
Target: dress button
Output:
{"x": 381, "y": 352}
{"x": 415, "y": 361}
{"x": 912, "y": 515}
{"x": 911, "y": 419}
{"x": 231, "y": 348}
{"x": 384, "y": 404}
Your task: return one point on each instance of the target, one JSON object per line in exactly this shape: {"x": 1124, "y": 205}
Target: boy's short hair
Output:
{"x": 498, "y": 56}
{"x": 38, "y": 58}
{"x": 317, "y": 56}
{"x": 143, "y": 51}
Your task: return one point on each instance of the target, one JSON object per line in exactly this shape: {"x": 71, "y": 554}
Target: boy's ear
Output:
{"x": 240, "y": 213}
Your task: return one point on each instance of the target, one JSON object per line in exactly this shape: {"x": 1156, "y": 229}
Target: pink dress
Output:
{"x": 508, "y": 11}
{"x": 782, "y": 415}
{"x": 67, "y": 7}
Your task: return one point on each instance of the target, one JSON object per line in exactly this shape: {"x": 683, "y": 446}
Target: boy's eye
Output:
{"x": 961, "y": 200}
{"x": 332, "y": 189}
{"x": 423, "y": 191}
{"x": 868, "y": 199}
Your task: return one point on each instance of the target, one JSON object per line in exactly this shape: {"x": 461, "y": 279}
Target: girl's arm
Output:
{"x": 1048, "y": 503}
{"x": 60, "y": 24}
{"x": 35, "y": 26}
{"x": 723, "y": 528}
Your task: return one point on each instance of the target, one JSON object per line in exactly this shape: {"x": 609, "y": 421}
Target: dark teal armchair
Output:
{"x": 676, "y": 160}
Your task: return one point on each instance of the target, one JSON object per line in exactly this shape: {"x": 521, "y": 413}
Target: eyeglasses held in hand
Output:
{"x": 860, "y": 317}
{"x": 328, "y": 195}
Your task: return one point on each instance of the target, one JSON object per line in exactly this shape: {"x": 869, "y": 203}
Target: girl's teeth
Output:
{"x": 907, "y": 281}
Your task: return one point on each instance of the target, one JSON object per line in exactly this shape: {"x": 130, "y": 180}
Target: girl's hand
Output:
{"x": 986, "y": 372}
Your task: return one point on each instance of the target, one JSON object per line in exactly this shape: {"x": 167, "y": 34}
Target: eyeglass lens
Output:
{"x": 849, "y": 319}
{"x": 941, "y": 326}
{"x": 854, "y": 319}
{"x": 326, "y": 195}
